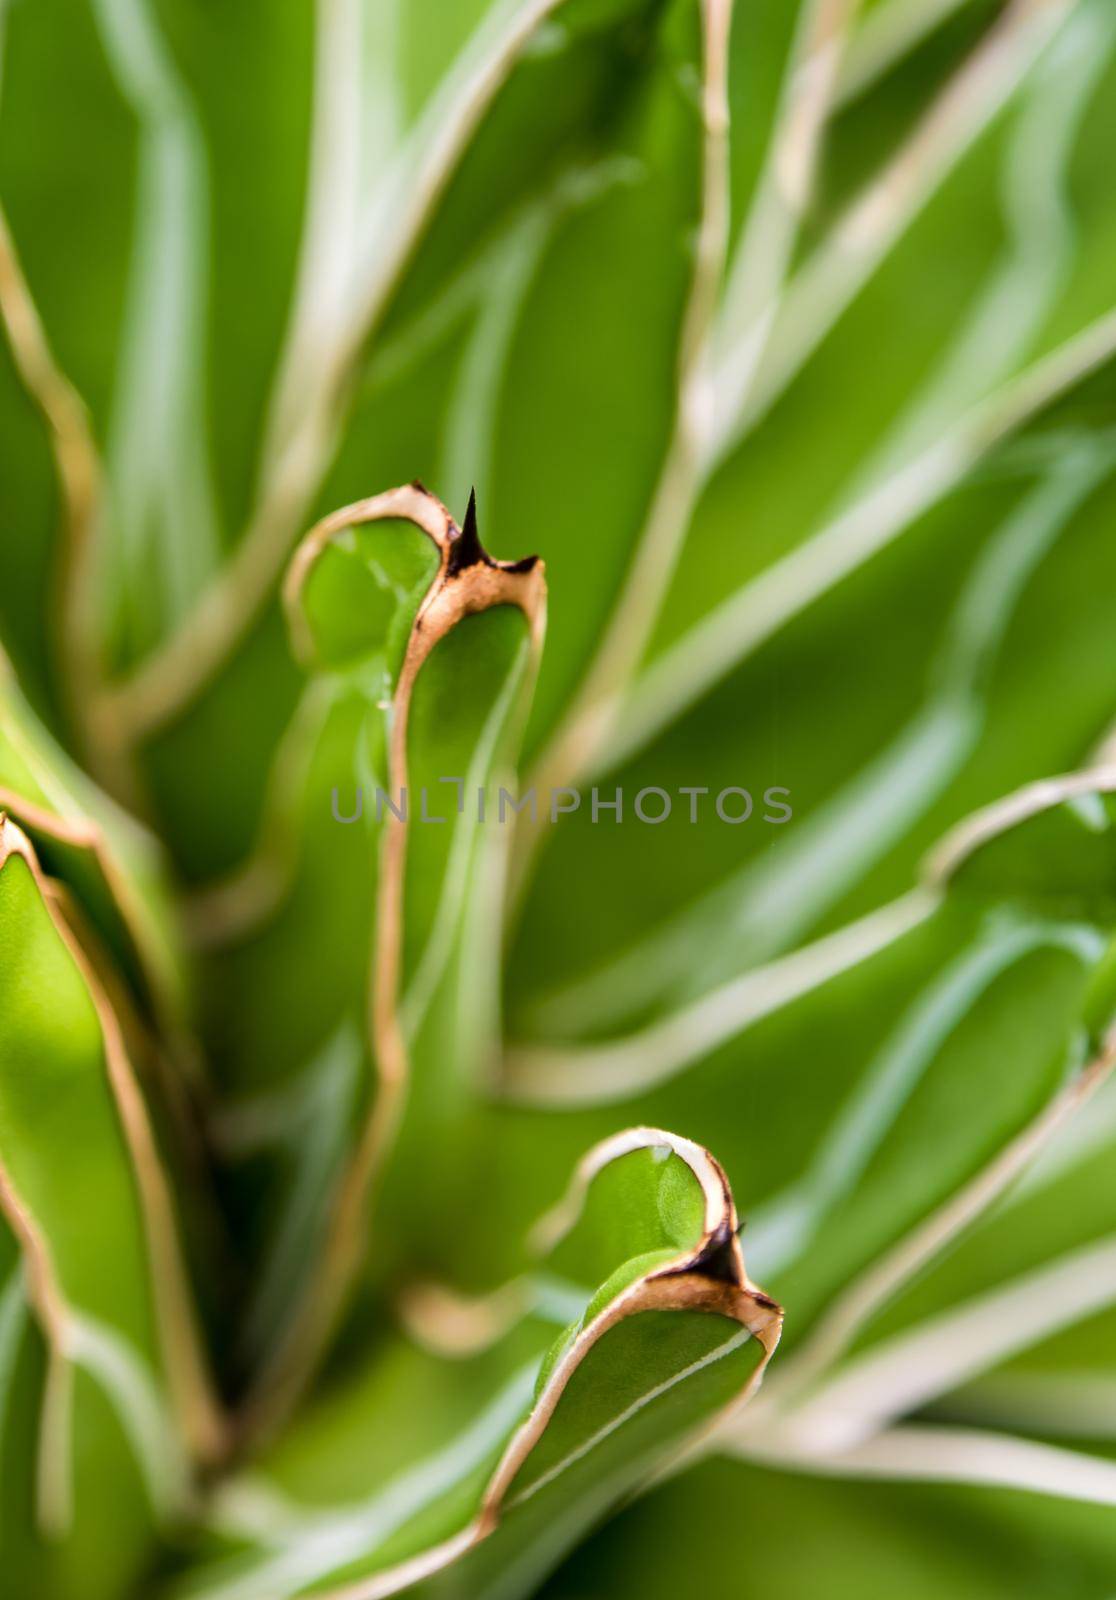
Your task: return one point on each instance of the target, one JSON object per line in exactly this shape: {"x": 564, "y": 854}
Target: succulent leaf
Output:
{"x": 542, "y": 1442}
{"x": 107, "y": 1390}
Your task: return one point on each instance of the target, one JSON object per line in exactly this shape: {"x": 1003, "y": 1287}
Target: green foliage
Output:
{"x": 777, "y": 342}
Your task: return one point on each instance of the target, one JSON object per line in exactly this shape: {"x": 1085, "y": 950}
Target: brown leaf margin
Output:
{"x": 709, "y": 1276}
{"x": 193, "y": 1395}
{"x": 78, "y": 474}
{"x": 468, "y": 581}
{"x": 84, "y": 834}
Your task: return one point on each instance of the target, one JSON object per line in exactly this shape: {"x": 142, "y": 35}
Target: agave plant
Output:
{"x": 393, "y": 999}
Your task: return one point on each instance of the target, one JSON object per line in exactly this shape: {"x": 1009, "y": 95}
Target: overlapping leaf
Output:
{"x": 105, "y": 1393}
{"x": 939, "y": 684}
{"x": 867, "y": 1539}
{"x": 113, "y": 868}
{"x": 475, "y": 1473}
{"x": 977, "y": 1354}
{"x": 353, "y": 983}
{"x": 473, "y": 321}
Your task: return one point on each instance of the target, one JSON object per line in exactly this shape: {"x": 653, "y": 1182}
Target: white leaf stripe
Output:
{"x": 761, "y": 914}
{"x": 453, "y": 902}
{"x": 898, "y": 1377}
{"x": 576, "y": 1075}
{"x": 739, "y": 1338}
{"x": 1004, "y": 324}
{"x": 356, "y": 131}
{"x": 763, "y": 253}
{"x": 679, "y": 1284}
{"x": 134, "y": 1395}
{"x": 608, "y": 723}
{"x": 74, "y": 1339}
{"x": 309, "y": 1545}
{"x": 970, "y": 1456}
{"x": 782, "y": 1230}
{"x": 1072, "y": 1404}
{"x": 586, "y": 724}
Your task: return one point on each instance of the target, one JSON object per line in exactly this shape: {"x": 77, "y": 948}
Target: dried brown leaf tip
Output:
{"x": 468, "y": 579}
{"x": 467, "y": 551}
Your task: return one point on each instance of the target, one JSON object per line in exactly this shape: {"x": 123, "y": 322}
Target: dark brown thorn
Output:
{"x": 466, "y": 550}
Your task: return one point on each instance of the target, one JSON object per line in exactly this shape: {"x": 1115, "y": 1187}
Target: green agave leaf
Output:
{"x": 761, "y": 40}
{"x": 1011, "y": 1279}
{"x": 131, "y": 205}
{"x": 948, "y": 192}
{"x": 1029, "y": 1297}
{"x": 954, "y": 1020}
{"x": 1011, "y": 1330}
{"x": 50, "y": 359}
{"x": 112, "y": 866}
{"x": 48, "y": 476}
{"x": 565, "y": 133}
{"x": 939, "y": 704}
{"x": 244, "y": 89}
{"x": 1028, "y": 1292}
{"x": 860, "y": 1540}
{"x": 950, "y": 648}
{"x": 1050, "y": 844}
{"x": 471, "y": 1476}
{"x": 889, "y": 522}
{"x": 351, "y": 979}
{"x": 105, "y": 1394}
{"x": 928, "y": 416}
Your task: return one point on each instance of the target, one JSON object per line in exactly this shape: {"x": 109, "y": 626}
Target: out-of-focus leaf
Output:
{"x": 943, "y": 705}
{"x": 1028, "y": 1292}
{"x": 105, "y": 1395}
{"x": 1051, "y": 844}
{"x": 247, "y": 73}
{"x": 114, "y": 869}
{"x": 1018, "y": 1320}
{"x": 508, "y": 1455}
{"x": 865, "y": 569}
{"x": 951, "y": 1020}
{"x": 502, "y": 332}
{"x": 1013, "y": 1277}
{"x": 849, "y": 1541}
{"x": 48, "y": 482}
{"x": 120, "y": 185}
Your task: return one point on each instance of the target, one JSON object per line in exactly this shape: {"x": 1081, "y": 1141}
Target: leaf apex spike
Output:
{"x": 466, "y": 549}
